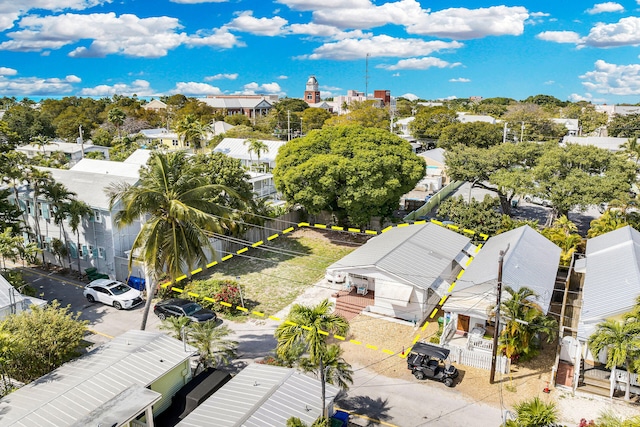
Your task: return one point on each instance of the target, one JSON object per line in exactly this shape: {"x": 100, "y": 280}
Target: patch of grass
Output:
{"x": 273, "y": 275}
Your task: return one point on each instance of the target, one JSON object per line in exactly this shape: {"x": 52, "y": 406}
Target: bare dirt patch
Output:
{"x": 526, "y": 380}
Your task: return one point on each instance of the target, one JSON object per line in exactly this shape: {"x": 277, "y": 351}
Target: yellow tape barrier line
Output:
{"x": 416, "y": 339}
{"x": 355, "y": 342}
{"x": 354, "y": 230}
{"x": 211, "y": 264}
{"x": 196, "y": 271}
{"x": 178, "y": 279}
{"x": 226, "y": 257}
{"x": 372, "y": 347}
{"x": 319, "y": 226}
{"x": 337, "y": 228}
{"x": 453, "y": 285}
{"x": 339, "y": 337}
{"x": 425, "y": 325}
{"x": 370, "y": 232}
{"x": 258, "y": 313}
{"x": 384, "y": 230}
{"x": 303, "y": 224}
{"x": 241, "y": 251}
{"x": 404, "y": 224}
{"x": 277, "y": 319}
{"x": 258, "y": 243}
{"x": 273, "y": 236}
{"x": 288, "y": 230}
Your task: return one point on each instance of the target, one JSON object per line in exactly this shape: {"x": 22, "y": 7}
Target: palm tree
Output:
{"x": 175, "y": 325}
{"x": 622, "y": 341}
{"x": 38, "y": 179}
{"x": 337, "y": 371}
{"x": 210, "y": 341}
{"x": 311, "y": 326}
{"x": 632, "y": 149}
{"x": 175, "y": 200}
{"x": 610, "y": 220}
{"x": 255, "y": 146}
{"x": 534, "y": 413}
{"x": 609, "y": 418}
{"x": 117, "y": 117}
{"x": 13, "y": 167}
{"x": 564, "y": 234}
{"x": 60, "y": 197}
{"x": 77, "y": 211}
{"x": 40, "y": 141}
{"x": 523, "y": 319}
{"x": 192, "y": 131}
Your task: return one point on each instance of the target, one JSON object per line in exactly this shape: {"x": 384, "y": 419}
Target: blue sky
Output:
{"x": 428, "y": 49}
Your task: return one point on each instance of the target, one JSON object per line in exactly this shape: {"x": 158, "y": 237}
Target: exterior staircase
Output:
{"x": 594, "y": 380}
{"x": 350, "y": 304}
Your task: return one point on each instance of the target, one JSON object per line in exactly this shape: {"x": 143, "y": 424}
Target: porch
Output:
{"x": 350, "y": 303}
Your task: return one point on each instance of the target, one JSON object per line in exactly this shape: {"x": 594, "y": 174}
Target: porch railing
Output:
{"x": 480, "y": 344}
{"x": 478, "y": 359}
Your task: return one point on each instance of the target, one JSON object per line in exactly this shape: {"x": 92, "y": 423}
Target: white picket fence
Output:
{"x": 478, "y": 359}
{"x": 621, "y": 378}
{"x": 480, "y": 344}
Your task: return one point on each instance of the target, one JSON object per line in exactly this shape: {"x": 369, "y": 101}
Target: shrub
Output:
{"x": 224, "y": 290}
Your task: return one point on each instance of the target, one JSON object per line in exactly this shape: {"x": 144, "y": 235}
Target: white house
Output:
{"x": 124, "y": 382}
{"x": 407, "y": 268}
{"x": 471, "y": 118}
{"x": 572, "y": 125}
{"x": 263, "y": 395}
{"x": 436, "y": 176}
{"x": 102, "y": 244}
{"x": 13, "y": 302}
{"x": 605, "y": 142}
{"x": 72, "y": 151}
{"x": 530, "y": 260}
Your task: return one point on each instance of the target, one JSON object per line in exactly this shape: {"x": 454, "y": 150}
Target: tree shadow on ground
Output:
{"x": 376, "y": 409}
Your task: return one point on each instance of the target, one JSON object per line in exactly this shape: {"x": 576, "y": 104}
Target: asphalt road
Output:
{"x": 392, "y": 402}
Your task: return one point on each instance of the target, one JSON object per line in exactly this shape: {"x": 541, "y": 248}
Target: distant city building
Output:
{"x": 251, "y": 106}
{"x": 619, "y": 110}
{"x": 312, "y": 91}
{"x": 382, "y": 99}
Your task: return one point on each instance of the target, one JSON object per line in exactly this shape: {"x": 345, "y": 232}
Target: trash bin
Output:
{"x": 136, "y": 283}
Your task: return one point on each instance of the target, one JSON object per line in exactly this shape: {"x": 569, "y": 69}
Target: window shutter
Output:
{"x": 73, "y": 250}
{"x": 94, "y": 253}
{"x": 45, "y": 211}
{"x": 85, "y": 251}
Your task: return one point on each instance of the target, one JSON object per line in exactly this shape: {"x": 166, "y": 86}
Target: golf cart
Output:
{"x": 427, "y": 361}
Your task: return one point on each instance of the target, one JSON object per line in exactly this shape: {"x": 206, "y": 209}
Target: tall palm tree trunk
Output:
{"x": 151, "y": 288}
{"x": 323, "y": 386}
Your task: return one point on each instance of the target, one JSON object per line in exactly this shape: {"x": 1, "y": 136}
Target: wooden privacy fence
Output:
{"x": 478, "y": 359}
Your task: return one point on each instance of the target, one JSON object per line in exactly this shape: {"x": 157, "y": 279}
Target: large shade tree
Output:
{"x": 176, "y": 201}
{"x": 355, "y": 172}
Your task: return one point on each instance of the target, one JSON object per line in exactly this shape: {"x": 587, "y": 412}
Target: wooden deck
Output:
{"x": 350, "y": 304}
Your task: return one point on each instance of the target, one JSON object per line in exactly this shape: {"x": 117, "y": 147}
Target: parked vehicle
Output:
{"x": 111, "y": 292}
{"x": 537, "y": 200}
{"x": 178, "y": 307}
{"x": 427, "y": 361}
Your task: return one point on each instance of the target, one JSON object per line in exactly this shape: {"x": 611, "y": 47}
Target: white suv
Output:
{"x": 111, "y": 292}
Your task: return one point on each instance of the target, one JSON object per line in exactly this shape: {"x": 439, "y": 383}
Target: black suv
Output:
{"x": 178, "y": 307}
{"x": 427, "y": 361}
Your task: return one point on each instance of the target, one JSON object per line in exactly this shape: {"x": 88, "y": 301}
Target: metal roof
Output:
{"x": 417, "y": 254}
{"x": 236, "y": 103}
{"x": 236, "y": 148}
{"x": 532, "y": 261}
{"x": 436, "y": 154}
{"x": 74, "y": 390}
{"x": 89, "y": 186}
{"x": 262, "y": 396}
{"x": 107, "y": 167}
{"x": 612, "y": 278}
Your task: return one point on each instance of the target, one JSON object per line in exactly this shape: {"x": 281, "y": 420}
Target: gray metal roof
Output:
{"x": 236, "y": 103}
{"x": 236, "y": 148}
{"x": 262, "y": 396}
{"x": 89, "y": 186}
{"x": 436, "y": 154}
{"x": 612, "y": 278}
{"x": 74, "y": 390}
{"x": 107, "y": 167}
{"x": 417, "y": 254}
{"x": 532, "y": 261}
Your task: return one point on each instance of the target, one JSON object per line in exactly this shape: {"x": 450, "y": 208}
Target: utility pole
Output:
{"x": 288, "y": 125}
{"x": 80, "y": 140}
{"x": 366, "y": 77}
{"x": 522, "y": 132}
{"x": 496, "y": 330}
{"x": 504, "y": 133}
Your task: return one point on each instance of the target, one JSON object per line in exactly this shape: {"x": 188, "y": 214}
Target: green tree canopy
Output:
{"x": 366, "y": 113}
{"x": 530, "y": 122}
{"x": 354, "y": 172}
{"x": 314, "y": 118}
{"x": 624, "y": 126}
{"x": 477, "y": 134}
{"x": 482, "y": 216}
{"x": 430, "y": 121}
{"x": 45, "y": 338}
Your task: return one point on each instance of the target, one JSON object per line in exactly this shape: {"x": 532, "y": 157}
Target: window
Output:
{"x": 175, "y": 142}
{"x": 39, "y": 208}
{"x": 97, "y": 216}
{"x": 29, "y": 207}
{"x": 101, "y": 253}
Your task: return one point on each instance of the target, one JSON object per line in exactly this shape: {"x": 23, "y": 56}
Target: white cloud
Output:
{"x": 395, "y": 75}
{"x": 623, "y": 33}
{"x": 330, "y": 88}
{"x": 605, "y": 7}
{"x": 379, "y": 46}
{"x": 549, "y": 82}
{"x": 574, "y": 97}
{"x": 261, "y": 26}
{"x": 324, "y": 4}
{"x": 462, "y": 23}
{"x": 5, "y": 71}
{"x": 35, "y": 86}
{"x": 613, "y": 79}
{"x": 195, "y": 89}
{"x": 197, "y": 1}
{"x": 316, "y": 30}
{"x": 254, "y": 88}
{"x": 109, "y": 34}
{"x": 559, "y": 36}
{"x": 410, "y": 96}
{"x": 460, "y": 80}
{"x": 326, "y": 94}
{"x": 230, "y": 76}
{"x": 11, "y": 11}
{"x": 403, "y": 12}
{"x": 137, "y": 87}
{"x": 73, "y": 79}
{"x": 282, "y": 77}
{"x": 419, "y": 64}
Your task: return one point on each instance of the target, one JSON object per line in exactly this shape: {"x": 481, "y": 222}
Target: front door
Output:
{"x": 463, "y": 323}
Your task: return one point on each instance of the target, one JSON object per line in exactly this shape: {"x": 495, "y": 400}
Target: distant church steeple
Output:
{"x": 312, "y": 93}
